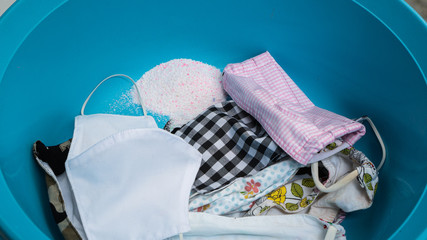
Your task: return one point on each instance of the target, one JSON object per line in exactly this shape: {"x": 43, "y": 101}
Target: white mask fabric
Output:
{"x": 90, "y": 129}
{"x": 123, "y": 183}
{"x": 124, "y": 176}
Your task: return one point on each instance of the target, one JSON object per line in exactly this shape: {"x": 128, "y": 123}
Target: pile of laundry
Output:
{"x": 255, "y": 159}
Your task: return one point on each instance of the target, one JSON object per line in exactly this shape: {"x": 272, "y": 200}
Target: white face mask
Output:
{"x": 129, "y": 179}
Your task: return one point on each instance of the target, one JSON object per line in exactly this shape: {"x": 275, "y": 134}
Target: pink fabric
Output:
{"x": 261, "y": 87}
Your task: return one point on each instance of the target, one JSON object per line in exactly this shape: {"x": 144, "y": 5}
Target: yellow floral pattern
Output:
{"x": 291, "y": 198}
{"x": 249, "y": 194}
{"x": 278, "y": 196}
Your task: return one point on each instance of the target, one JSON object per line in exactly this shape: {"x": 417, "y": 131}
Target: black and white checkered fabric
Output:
{"x": 232, "y": 142}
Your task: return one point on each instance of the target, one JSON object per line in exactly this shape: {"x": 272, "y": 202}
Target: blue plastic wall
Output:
{"x": 348, "y": 57}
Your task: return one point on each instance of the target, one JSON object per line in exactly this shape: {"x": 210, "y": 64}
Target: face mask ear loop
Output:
{"x": 112, "y": 76}
{"x": 349, "y": 177}
{"x": 380, "y": 140}
{"x": 336, "y": 186}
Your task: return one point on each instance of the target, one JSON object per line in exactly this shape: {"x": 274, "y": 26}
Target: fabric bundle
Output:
{"x": 266, "y": 164}
{"x": 261, "y": 88}
{"x": 232, "y": 143}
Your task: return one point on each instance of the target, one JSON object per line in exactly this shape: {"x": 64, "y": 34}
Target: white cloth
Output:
{"x": 129, "y": 182}
{"x": 351, "y": 197}
{"x": 298, "y": 226}
{"x": 67, "y": 196}
{"x": 90, "y": 129}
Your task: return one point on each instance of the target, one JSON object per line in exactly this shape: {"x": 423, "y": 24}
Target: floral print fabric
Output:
{"x": 301, "y": 194}
{"x": 354, "y": 159}
{"x": 292, "y": 197}
{"x": 368, "y": 176}
{"x": 240, "y": 195}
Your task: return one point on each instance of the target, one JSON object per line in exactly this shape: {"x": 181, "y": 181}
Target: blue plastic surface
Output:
{"x": 351, "y": 58}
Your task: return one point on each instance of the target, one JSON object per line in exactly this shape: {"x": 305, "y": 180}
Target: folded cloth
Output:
{"x": 240, "y": 195}
{"x": 292, "y": 197}
{"x": 233, "y": 144}
{"x": 52, "y": 160}
{"x": 357, "y": 195}
{"x": 301, "y": 195}
{"x": 261, "y": 87}
{"x": 299, "y": 226}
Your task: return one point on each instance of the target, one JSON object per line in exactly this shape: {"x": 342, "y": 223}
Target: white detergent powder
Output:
{"x": 124, "y": 105}
{"x": 180, "y": 89}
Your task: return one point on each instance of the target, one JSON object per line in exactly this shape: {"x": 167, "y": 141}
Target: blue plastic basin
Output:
{"x": 353, "y": 58}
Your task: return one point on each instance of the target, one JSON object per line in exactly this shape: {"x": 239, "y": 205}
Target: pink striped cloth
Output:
{"x": 261, "y": 87}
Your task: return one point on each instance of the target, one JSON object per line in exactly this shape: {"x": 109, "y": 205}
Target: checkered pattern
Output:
{"x": 233, "y": 144}
{"x": 261, "y": 88}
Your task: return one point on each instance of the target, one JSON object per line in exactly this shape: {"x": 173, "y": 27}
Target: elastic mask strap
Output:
{"x": 331, "y": 233}
{"x": 112, "y": 76}
{"x": 336, "y": 186}
{"x": 380, "y": 140}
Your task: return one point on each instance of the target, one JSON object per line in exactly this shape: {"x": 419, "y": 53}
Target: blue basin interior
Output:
{"x": 339, "y": 54}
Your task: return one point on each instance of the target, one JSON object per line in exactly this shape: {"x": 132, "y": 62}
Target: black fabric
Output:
{"x": 233, "y": 144}
{"x": 58, "y": 216}
{"x": 55, "y": 156}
